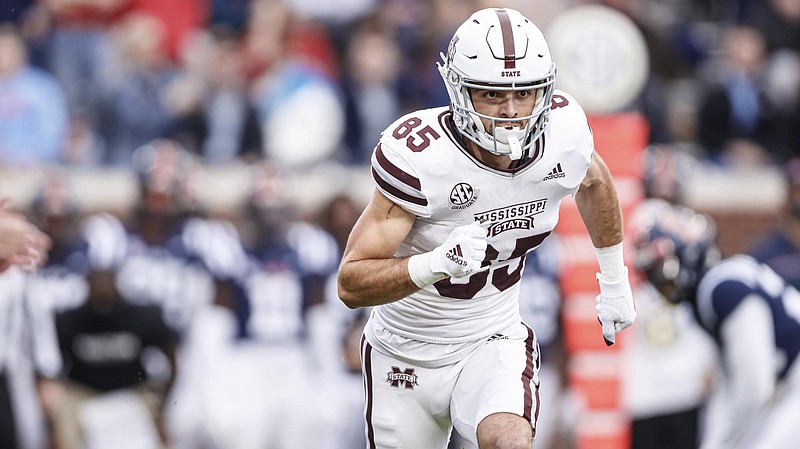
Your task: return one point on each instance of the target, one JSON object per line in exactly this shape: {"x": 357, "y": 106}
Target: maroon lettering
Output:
{"x": 501, "y": 278}
{"x": 559, "y": 101}
{"x": 420, "y": 140}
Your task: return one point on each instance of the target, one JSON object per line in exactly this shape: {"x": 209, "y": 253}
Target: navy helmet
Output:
{"x": 674, "y": 247}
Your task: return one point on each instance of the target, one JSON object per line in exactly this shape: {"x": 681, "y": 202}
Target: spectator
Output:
{"x": 33, "y": 114}
{"x": 78, "y": 50}
{"x": 133, "y": 108}
{"x": 778, "y": 20}
{"x": 370, "y": 89}
{"x": 13, "y": 10}
{"x": 178, "y": 19}
{"x": 232, "y": 13}
{"x": 736, "y": 126}
{"x": 783, "y": 91}
{"x": 423, "y": 31}
{"x": 667, "y": 170}
{"x": 297, "y": 98}
{"x": 342, "y": 11}
{"x": 217, "y": 120}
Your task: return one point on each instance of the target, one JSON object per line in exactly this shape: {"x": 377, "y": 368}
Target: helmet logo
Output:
{"x": 510, "y": 73}
{"x": 451, "y": 50}
{"x": 508, "y": 38}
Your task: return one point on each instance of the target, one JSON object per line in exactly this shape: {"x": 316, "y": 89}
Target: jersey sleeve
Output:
{"x": 722, "y": 289}
{"x": 579, "y": 139}
{"x": 398, "y": 180}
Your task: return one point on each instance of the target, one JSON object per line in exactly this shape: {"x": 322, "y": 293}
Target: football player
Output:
{"x": 752, "y": 314}
{"x": 463, "y": 193}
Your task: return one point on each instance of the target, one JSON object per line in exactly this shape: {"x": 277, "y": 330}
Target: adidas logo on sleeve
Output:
{"x": 557, "y": 172}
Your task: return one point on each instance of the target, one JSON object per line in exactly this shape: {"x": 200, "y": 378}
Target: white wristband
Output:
{"x": 419, "y": 269}
{"x": 611, "y": 261}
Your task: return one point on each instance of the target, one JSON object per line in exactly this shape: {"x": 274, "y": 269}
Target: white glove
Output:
{"x": 462, "y": 252}
{"x": 460, "y": 255}
{"x": 615, "y": 307}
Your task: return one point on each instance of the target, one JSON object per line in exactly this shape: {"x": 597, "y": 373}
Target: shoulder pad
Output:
{"x": 397, "y": 179}
{"x": 407, "y": 149}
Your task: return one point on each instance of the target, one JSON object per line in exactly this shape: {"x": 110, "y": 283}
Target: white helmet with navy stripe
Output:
{"x": 500, "y": 49}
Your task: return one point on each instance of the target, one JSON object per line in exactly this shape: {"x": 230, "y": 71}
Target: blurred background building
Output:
{"x": 199, "y": 163}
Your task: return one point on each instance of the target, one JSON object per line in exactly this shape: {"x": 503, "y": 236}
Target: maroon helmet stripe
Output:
{"x": 508, "y": 38}
{"x": 394, "y": 170}
{"x": 527, "y": 375}
{"x": 366, "y": 356}
{"x": 394, "y": 191}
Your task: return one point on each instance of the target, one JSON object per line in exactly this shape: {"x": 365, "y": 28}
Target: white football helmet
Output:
{"x": 499, "y": 49}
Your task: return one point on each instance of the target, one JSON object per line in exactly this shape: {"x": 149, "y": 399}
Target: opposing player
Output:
{"x": 463, "y": 193}
{"x": 752, "y": 314}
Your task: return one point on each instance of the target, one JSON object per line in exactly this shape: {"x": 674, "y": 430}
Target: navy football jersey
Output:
{"x": 723, "y": 288}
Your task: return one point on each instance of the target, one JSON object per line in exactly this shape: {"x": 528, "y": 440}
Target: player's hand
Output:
{"x": 21, "y": 243}
{"x": 462, "y": 253}
{"x": 615, "y": 307}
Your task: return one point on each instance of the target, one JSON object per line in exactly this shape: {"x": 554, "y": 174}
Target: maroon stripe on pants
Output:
{"x": 508, "y": 38}
{"x": 366, "y": 356}
{"x": 527, "y": 376}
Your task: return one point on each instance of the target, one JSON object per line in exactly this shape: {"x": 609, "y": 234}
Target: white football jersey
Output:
{"x": 422, "y": 165}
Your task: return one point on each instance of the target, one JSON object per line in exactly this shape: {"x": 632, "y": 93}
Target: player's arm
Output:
{"x": 599, "y": 206}
{"x": 748, "y": 355}
{"x": 601, "y": 213}
{"x": 370, "y": 274}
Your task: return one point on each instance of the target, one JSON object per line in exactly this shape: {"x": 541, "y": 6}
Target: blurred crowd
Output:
{"x": 171, "y": 324}
{"x": 87, "y": 82}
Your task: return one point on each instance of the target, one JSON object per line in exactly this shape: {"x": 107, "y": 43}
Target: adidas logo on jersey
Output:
{"x": 456, "y": 256}
{"x": 556, "y": 173}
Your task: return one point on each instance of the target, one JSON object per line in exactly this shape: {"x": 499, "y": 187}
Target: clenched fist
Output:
{"x": 462, "y": 252}
{"x": 460, "y": 255}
